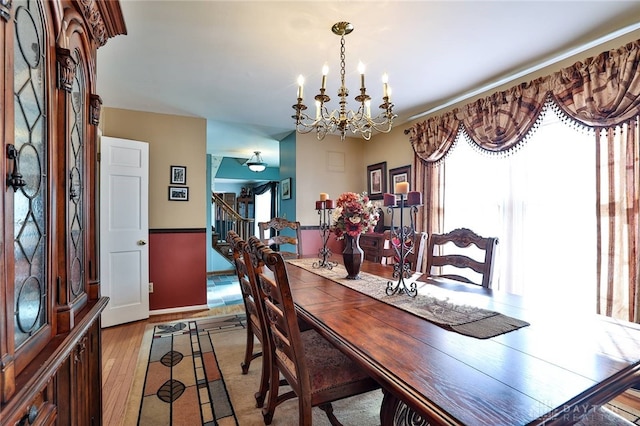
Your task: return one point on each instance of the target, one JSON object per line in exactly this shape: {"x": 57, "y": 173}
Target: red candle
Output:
{"x": 414, "y": 198}
{"x": 389, "y": 199}
{"x": 319, "y": 205}
{"x": 329, "y": 204}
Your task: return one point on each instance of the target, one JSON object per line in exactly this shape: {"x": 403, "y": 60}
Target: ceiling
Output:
{"x": 235, "y": 63}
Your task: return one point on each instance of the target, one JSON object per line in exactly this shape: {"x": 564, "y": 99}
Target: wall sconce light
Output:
{"x": 255, "y": 163}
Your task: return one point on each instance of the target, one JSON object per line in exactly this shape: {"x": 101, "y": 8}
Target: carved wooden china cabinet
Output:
{"x": 50, "y": 303}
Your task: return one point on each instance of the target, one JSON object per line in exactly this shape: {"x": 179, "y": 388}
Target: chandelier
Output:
{"x": 255, "y": 163}
{"x": 343, "y": 119}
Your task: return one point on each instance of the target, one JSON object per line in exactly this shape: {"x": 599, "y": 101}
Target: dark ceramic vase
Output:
{"x": 353, "y": 256}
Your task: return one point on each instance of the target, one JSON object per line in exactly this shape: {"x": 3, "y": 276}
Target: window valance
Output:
{"x": 603, "y": 91}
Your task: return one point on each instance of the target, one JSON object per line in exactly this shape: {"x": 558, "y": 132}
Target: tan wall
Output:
{"x": 392, "y": 147}
{"x": 332, "y": 166}
{"x": 173, "y": 140}
{"x": 315, "y": 173}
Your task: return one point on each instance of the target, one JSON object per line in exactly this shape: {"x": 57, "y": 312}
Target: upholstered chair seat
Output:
{"x": 326, "y": 366}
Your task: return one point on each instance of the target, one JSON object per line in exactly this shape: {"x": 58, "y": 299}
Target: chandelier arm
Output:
{"x": 382, "y": 119}
{"x": 308, "y": 122}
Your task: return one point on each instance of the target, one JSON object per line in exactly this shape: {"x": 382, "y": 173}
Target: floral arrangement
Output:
{"x": 354, "y": 214}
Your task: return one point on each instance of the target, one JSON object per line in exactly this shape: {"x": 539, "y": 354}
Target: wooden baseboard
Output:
{"x": 225, "y": 272}
{"x": 179, "y": 309}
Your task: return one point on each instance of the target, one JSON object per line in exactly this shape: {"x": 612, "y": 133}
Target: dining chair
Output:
{"x": 271, "y": 234}
{"x": 317, "y": 372}
{"x": 389, "y": 255}
{"x": 461, "y": 255}
{"x": 415, "y": 259}
{"x": 255, "y": 316}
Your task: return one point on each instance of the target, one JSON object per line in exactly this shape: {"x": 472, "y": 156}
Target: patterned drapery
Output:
{"x": 429, "y": 181}
{"x": 503, "y": 120}
{"x": 617, "y": 183}
{"x": 432, "y": 138}
{"x": 602, "y": 93}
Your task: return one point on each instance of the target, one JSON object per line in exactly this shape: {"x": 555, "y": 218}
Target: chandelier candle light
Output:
{"x": 342, "y": 119}
{"x": 324, "y": 207}
{"x": 402, "y": 237}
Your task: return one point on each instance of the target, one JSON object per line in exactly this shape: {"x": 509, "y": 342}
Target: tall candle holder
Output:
{"x": 324, "y": 208}
{"x": 405, "y": 237}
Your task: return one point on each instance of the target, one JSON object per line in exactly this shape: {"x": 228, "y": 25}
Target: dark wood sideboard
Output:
{"x": 372, "y": 244}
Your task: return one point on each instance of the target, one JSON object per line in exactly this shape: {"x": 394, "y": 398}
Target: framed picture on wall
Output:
{"x": 377, "y": 180}
{"x": 397, "y": 175}
{"x": 178, "y": 193}
{"x": 178, "y": 175}
{"x": 285, "y": 188}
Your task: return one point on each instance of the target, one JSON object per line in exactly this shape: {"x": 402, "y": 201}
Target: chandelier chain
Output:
{"x": 342, "y": 62}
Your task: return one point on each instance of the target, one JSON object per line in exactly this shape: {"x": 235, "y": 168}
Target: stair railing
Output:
{"x": 226, "y": 219}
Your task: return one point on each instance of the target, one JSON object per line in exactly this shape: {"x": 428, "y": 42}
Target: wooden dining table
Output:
{"x": 551, "y": 372}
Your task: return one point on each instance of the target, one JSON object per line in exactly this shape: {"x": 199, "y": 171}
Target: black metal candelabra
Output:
{"x": 402, "y": 240}
{"x": 324, "y": 209}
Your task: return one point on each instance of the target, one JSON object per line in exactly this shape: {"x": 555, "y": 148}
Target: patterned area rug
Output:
{"x": 232, "y": 391}
{"x": 183, "y": 383}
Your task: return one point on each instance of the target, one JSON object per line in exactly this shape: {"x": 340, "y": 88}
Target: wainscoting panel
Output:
{"x": 177, "y": 268}
{"x": 312, "y": 242}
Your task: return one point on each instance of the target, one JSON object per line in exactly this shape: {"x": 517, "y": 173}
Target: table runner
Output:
{"x": 433, "y": 304}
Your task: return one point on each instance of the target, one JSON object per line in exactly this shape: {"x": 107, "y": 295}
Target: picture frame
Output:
{"x": 399, "y": 174}
{"x": 377, "y": 180}
{"x": 178, "y": 193}
{"x": 285, "y": 188}
{"x": 178, "y": 175}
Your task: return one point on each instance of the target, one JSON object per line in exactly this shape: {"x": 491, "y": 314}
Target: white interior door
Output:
{"x": 124, "y": 229}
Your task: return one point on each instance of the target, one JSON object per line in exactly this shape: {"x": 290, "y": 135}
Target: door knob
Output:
{"x": 142, "y": 242}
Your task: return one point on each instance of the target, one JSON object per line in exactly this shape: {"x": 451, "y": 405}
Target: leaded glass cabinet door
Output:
{"x": 29, "y": 182}
{"x": 76, "y": 159}
{"x": 74, "y": 184}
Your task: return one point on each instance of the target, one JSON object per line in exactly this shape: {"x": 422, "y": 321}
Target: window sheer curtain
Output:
{"x": 601, "y": 93}
{"x": 542, "y": 212}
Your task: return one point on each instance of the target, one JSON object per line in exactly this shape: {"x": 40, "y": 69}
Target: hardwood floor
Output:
{"x": 120, "y": 348}
{"x": 121, "y": 345}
